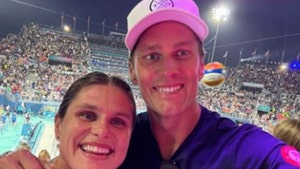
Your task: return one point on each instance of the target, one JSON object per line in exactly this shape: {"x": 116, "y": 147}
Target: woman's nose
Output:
{"x": 101, "y": 129}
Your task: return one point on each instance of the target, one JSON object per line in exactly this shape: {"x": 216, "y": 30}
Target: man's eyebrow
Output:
{"x": 150, "y": 47}
{"x": 184, "y": 43}
{"x": 155, "y": 46}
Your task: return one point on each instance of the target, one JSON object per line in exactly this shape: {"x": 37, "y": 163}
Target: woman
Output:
{"x": 94, "y": 123}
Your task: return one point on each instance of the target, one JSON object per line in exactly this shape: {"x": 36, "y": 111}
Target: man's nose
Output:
{"x": 169, "y": 66}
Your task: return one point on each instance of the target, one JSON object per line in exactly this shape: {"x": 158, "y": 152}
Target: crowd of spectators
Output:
{"x": 25, "y": 71}
{"x": 27, "y": 75}
{"x": 281, "y": 92}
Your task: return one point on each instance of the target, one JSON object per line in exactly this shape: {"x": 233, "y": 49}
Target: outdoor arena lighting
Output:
{"x": 67, "y": 28}
{"x": 219, "y": 14}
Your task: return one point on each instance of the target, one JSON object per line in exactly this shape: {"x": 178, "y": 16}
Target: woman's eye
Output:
{"x": 118, "y": 122}
{"x": 90, "y": 116}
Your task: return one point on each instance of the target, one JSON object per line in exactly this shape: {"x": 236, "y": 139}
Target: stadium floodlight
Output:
{"x": 283, "y": 67}
{"x": 281, "y": 70}
{"x": 219, "y": 14}
{"x": 67, "y": 28}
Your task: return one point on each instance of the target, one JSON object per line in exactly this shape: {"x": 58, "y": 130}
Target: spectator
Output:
{"x": 288, "y": 130}
{"x": 23, "y": 146}
{"x": 44, "y": 155}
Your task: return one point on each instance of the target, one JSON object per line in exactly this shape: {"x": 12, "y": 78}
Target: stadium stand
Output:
{"x": 39, "y": 64}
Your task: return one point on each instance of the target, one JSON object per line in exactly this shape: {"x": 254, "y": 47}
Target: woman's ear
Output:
{"x": 57, "y": 126}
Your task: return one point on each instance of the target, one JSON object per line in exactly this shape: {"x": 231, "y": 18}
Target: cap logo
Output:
{"x": 160, "y": 4}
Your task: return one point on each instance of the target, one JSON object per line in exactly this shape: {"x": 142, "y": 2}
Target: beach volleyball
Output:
{"x": 214, "y": 74}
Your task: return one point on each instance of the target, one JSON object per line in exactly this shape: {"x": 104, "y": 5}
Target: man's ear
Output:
{"x": 201, "y": 69}
{"x": 132, "y": 73}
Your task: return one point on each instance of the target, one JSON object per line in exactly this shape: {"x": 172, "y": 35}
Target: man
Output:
{"x": 165, "y": 39}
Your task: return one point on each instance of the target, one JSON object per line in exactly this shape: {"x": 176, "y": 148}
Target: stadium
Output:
{"x": 40, "y": 62}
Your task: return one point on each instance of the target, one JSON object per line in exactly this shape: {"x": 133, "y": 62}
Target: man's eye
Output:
{"x": 90, "y": 116}
{"x": 152, "y": 57}
{"x": 182, "y": 53}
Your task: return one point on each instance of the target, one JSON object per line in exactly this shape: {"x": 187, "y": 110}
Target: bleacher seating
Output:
{"x": 26, "y": 74}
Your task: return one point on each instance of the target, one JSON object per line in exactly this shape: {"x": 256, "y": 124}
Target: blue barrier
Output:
{"x": 30, "y": 106}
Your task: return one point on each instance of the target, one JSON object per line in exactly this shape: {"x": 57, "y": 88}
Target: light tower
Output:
{"x": 219, "y": 14}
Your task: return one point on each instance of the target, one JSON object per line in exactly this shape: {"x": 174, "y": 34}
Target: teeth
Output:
{"x": 168, "y": 89}
{"x": 94, "y": 149}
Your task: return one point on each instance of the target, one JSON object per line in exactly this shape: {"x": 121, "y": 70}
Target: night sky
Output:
{"x": 259, "y": 25}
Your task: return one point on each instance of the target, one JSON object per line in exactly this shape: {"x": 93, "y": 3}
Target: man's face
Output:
{"x": 167, "y": 67}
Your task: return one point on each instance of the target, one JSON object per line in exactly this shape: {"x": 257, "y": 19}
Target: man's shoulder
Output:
{"x": 142, "y": 121}
{"x": 142, "y": 116}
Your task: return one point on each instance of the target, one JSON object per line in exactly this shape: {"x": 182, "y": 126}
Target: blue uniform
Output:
{"x": 214, "y": 143}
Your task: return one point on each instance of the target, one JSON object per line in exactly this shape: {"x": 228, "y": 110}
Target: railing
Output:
{"x": 35, "y": 135}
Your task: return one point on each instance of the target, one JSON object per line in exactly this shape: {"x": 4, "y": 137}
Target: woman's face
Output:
{"x": 96, "y": 129}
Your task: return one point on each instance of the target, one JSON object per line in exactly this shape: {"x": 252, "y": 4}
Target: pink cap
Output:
{"x": 149, "y": 12}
